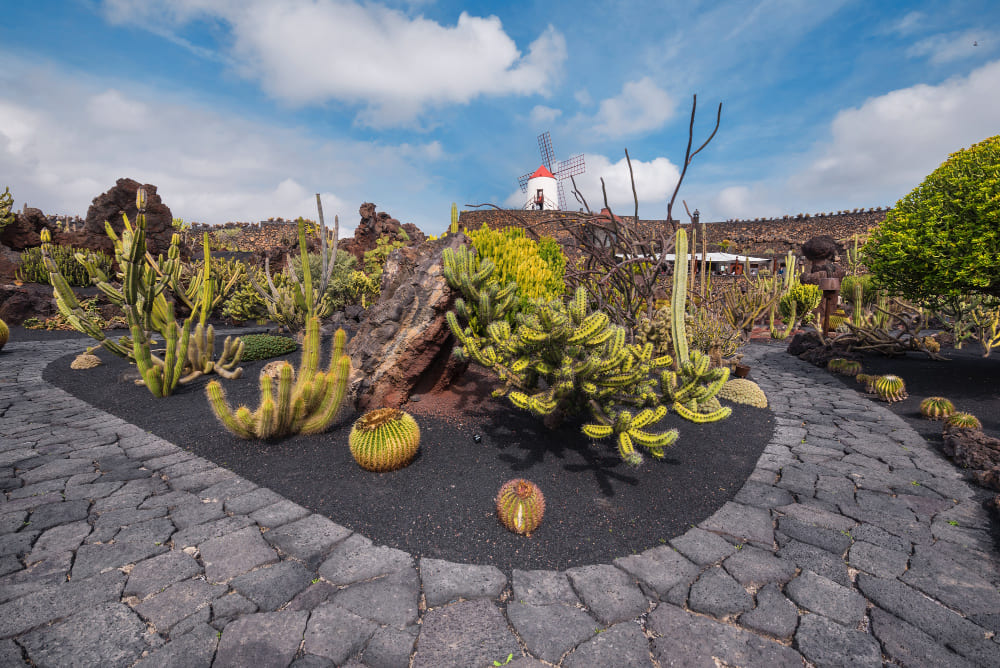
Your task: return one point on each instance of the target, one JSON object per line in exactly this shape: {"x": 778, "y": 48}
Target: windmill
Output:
{"x": 560, "y": 170}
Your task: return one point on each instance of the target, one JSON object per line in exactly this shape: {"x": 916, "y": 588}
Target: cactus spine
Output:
{"x": 520, "y": 506}
{"x": 936, "y": 408}
{"x": 386, "y": 439}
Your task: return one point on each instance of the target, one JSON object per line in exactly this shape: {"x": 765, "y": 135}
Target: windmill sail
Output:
{"x": 561, "y": 170}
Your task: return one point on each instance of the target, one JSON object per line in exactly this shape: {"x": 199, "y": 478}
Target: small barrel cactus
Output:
{"x": 520, "y": 506}
{"x": 386, "y": 439}
{"x": 963, "y": 421}
{"x": 4, "y": 333}
{"x": 936, "y": 408}
{"x": 890, "y": 388}
{"x": 844, "y": 367}
{"x": 868, "y": 381}
{"x": 743, "y": 391}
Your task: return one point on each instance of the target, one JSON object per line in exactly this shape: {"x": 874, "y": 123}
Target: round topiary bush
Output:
{"x": 266, "y": 346}
{"x": 386, "y": 439}
{"x": 520, "y": 506}
{"x": 942, "y": 241}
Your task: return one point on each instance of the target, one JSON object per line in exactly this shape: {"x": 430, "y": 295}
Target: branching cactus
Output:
{"x": 307, "y": 405}
{"x": 484, "y": 300}
{"x": 295, "y": 300}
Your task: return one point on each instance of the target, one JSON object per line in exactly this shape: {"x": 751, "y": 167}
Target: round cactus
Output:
{"x": 4, "y": 333}
{"x": 890, "y": 388}
{"x": 743, "y": 391}
{"x": 386, "y": 439}
{"x": 85, "y": 361}
{"x": 936, "y": 408}
{"x": 963, "y": 421}
{"x": 520, "y": 506}
{"x": 844, "y": 367}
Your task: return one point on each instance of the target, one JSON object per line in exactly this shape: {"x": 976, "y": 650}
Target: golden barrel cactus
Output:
{"x": 386, "y": 439}
{"x": 936, "y": 408}
{"x": 520, "y": 506}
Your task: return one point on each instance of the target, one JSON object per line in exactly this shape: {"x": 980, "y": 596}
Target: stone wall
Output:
{"x": 766, "y": 237}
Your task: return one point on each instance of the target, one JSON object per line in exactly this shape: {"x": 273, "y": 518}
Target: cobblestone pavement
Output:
{"x": 852, "y": 543}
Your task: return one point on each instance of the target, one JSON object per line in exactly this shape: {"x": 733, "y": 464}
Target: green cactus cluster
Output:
{"x": 31, "y": 265}
{"x": 520, "y": 506}
{"x": 868, "y": 380}
{"x": 536, "y": 267}
{"x": 266, "y": 346}
{"x": 800, "y": 301}
{"x": 307, "y": 405}
{"x": 962, "y": 420}
{"x": 743, "y": 391}
{"x": 844, "y": 367}
{"x": 386, "y": 439}
{"x": 561, "y": 359}
{"x": 890, "y": 388}
{"x": 936, "y": 408}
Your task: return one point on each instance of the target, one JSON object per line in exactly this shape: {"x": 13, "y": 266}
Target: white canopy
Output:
{"x": 727, "y": 258}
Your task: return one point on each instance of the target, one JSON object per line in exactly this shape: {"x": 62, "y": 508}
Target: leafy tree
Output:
{"x": 943, "y": 239}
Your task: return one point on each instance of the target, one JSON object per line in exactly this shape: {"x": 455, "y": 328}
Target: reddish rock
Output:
{"x": 375, "y": 225}
{"x": 404, "y": 345}
{"x": 26, "y": 229}
{"x": 17, "y": 303}
{"x": 110, "y": 206}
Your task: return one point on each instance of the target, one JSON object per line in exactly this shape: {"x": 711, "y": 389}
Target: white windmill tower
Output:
{"x": 544, "y": 186}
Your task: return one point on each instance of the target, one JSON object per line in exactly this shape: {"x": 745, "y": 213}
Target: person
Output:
{"x": 540, "y": 199}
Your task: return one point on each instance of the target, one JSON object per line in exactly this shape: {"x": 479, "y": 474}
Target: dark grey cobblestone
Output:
{"x": 205, "y": 551}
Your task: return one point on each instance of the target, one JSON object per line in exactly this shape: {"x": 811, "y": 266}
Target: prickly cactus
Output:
{"x": 4, "y": 333}
{"x": 890, "y": 388}
{"x": 85, "y": 361}
{"x": 963, "y": 421}
{"x": 936, "y": 408}
{"x": 743, "y": 391}
{"x": 520, "y": 506}
{"x": 386, "y": 439}
{"x": 868, "y": 380}
{"x": 844, "y": 367}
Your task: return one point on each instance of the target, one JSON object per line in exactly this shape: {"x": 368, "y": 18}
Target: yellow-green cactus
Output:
{"x": 743, "y": 391}
{"x": 520, "y": 506}
{"x": 4, "y": 333}
{"x": 936, "y": 408}
{"x": 386, "y": 439}
{"x": 890, "y": 388}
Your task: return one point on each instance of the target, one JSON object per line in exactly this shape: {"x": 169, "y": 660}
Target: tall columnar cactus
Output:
{"x": 678, "y": 299}
{"x": 202, "y": 348}
{"x": 385, "y": 439}
{"x": 520, "y": 506}
{"x": 307, "y": 406}
{"x": 297, "y": 300}
{"x": 453, "y": 228}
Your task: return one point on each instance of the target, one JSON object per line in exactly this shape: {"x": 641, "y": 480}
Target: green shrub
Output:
{"x": 32, "y": 267}
{"x": 869, "y": 291}
{"x": 265, "y": 346}
{"x": 942, "y": 240}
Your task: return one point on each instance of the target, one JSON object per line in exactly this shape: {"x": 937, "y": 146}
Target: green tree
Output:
{"x": 943, "y": 239}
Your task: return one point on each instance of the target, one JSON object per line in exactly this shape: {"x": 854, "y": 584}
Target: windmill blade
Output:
{"x": 522, "y": 181}
{"x": 571, "y": 167}
{"x": 545, "y": 148}
{"x": 562, "y": 196}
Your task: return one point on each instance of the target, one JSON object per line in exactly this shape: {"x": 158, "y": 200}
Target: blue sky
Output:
{"x": 243, "y": 109}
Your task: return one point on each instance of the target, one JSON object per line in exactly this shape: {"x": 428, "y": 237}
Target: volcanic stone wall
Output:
{"x": 767, "y": 237}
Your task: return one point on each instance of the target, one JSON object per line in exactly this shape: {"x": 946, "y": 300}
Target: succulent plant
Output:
{"x": 963, "y": 421}
{"x": 386, "y": 439}
{"x": 4, "y": 333}
{"x": 520, "y": 506}
{"x": 868, "y": 380}
{"x": 844, "y": 367}
{"x": 743, "y": 391}
{"x": 85, "y": 361}
{"x": 936, "y": 408}
{"x": 890, "y": 388}
{"x": 265, "y": 346}
{"x": 273, "y": 370}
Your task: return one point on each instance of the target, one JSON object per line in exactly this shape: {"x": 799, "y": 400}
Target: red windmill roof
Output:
{"x": 542, "y": 171}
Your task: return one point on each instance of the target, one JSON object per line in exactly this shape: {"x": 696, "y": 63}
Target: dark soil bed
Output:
{"x": 442, "y": 505}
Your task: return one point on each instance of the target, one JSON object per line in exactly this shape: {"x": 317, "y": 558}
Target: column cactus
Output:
{"x": 202, "y": 348}
{"x": 306, "y": 406}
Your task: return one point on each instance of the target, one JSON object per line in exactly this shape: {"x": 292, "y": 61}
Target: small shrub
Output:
{"x": 265, "y": 346}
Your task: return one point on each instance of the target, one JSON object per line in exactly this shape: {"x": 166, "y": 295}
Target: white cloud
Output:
{"x": 210, "y": 167}
{"x": 542, "y": 115}
{"x": 654, "y": 183}
{"x": 641, "y": 107}
{"x": 908, "y": 24}
{"x": 395, "y": 66}
{"x": 949, "y": 47}
{"x": 583, "y": 98}
{"x": 888, "y": 145}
